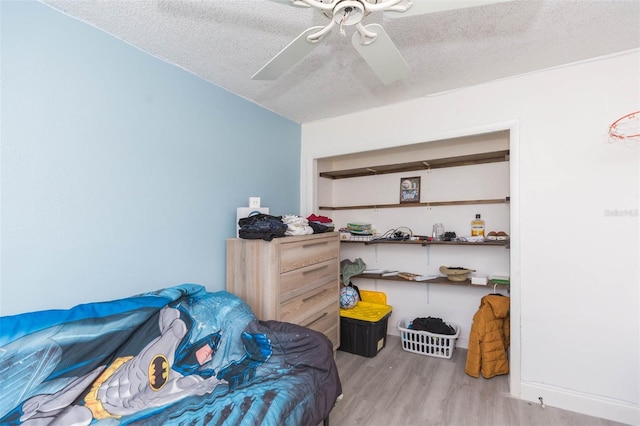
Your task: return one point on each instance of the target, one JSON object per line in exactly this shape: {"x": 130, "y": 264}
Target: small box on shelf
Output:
{"x": 479, "y": 280}
{"x": 500, "y": 279}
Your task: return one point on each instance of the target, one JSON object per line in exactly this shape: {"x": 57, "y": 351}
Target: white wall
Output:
{"x": 575, "y": 273}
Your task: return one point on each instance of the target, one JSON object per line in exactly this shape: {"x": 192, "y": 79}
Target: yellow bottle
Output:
{"x": 477, "y": 227}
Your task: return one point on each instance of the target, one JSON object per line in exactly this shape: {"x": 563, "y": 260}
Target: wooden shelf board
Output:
{"x": 431, "y": 243}
{"x": 437, "y": 163}
{"x": 440, "y": 280}
{"x": 425, "y": 204}
{"x": 466, "y": 243}
{"x": 410, "y": 242}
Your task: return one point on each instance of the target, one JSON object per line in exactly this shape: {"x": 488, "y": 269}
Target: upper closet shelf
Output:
{"x": 425, "y": 204}
{"x": 463, "y": 160}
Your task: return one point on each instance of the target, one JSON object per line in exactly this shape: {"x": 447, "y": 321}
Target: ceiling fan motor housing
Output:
{"x": 348, "y": 12}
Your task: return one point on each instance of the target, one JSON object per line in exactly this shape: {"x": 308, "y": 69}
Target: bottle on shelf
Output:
{"x": 477, "y": 227}
{"x": 438, "y": 232}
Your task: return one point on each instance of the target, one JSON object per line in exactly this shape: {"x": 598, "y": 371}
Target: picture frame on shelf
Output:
{"x": 410, "y": 189}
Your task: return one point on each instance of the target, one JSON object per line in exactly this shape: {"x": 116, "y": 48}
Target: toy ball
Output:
{"x": 348, "y": 297}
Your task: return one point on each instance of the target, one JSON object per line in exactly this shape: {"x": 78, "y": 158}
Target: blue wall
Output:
{"x": 121, "y": 173}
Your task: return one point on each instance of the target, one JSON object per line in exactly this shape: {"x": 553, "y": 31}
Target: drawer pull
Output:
{"x": 317, "y": 319}
{"x": 315, "y": 269}
{"x": 321, "y": 243}
{"x": 306, "y": 299}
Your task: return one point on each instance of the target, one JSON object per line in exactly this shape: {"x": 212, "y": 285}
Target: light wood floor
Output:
{"x": 401, "y": 388}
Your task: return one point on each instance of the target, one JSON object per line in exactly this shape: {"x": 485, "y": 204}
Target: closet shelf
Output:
{"x": 440, "y": 280}
{"x": 425, "y": 204}
{"x": 504, "y": 243}
{"x": 437, "y": 163}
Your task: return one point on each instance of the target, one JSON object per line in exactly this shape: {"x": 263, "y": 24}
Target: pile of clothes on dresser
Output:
{"x": 267, "y": 227}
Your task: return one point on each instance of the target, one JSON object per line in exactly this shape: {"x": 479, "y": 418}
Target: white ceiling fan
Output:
{"x": 371, "y": 41}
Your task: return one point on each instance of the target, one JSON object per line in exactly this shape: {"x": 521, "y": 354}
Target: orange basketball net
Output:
{"x": 626, "y": 127}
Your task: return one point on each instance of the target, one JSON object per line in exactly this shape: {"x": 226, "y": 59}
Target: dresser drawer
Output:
{"x": 333, "y": 335}
{"x": 299, "y": 254}
{"x": 305, "y": 280}
{"x": 326, "y": 322}
{"x": 302, "y": 309}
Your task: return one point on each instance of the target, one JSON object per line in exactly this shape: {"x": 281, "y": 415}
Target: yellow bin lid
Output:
{"x": 366, "y": 311}
{"x": 373, "y": 297}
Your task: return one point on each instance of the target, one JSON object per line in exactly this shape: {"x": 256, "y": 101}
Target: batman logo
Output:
{"x": 158, "y": 372}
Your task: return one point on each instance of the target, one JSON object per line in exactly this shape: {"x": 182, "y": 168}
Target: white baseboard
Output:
{"x": 591, "y": 405}
{"x": 462, "y": 342}
{"x": 553, "y": 396}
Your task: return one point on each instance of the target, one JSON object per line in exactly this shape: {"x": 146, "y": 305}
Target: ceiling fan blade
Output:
{"x": 291, "y": 3}
{"x": 421, "y": 7}
{"x": 382, "y": 55}
{"x": 287, "y": 57}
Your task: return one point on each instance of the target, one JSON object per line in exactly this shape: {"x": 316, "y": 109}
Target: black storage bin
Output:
{"x": 364, "y": 338}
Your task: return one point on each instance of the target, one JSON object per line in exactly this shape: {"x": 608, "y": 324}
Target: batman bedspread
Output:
{"x": 180, "y": 355}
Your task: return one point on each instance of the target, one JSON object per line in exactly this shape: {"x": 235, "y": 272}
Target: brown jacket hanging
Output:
{"x": 489, "y": 338}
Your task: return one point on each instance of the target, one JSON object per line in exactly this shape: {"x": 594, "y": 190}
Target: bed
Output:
{"x": 179, "y": 355}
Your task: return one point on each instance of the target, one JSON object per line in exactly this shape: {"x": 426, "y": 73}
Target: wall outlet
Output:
{"x": 254, "y": 202}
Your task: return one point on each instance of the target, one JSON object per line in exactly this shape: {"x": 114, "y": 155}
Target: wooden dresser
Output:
{"x": 292, "y": 279}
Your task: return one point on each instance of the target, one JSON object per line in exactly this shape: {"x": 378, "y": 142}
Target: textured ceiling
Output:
{"x": 227, "y": 41}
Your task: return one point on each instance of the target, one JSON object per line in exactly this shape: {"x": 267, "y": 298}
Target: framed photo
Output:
{"x": 410, "y": 190}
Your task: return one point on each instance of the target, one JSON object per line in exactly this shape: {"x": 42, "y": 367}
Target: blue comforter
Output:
{"x": 176, "y": 356}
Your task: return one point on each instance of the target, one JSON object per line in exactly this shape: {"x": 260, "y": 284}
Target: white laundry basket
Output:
{"x": 426, "y": 343}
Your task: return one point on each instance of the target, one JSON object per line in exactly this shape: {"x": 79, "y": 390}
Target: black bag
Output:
{"x": 261, "y": 226}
